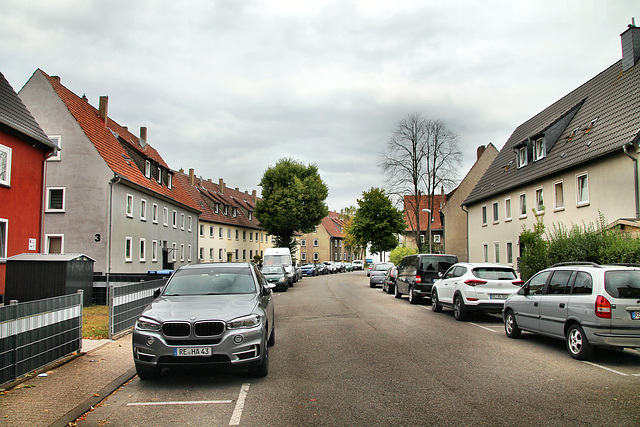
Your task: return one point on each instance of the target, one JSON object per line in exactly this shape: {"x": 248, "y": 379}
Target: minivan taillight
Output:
{"x": 603, "y": 307}
{"x": 418, "y": 279}
{"x": 474, "y": 282}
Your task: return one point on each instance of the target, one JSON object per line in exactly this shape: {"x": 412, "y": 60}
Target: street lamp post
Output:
{"x": 428, "y": 226}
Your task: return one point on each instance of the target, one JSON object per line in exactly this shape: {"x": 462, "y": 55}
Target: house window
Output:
{"x": 217, "y": 210}
{"x": 57, "y": 141}
{"x": 143, "y": 210}
{"x": 129, "y": 206}
{"x": 523, "y": 205}
{"x": 315, "y": 242}
{"x": 250, "y": 215}
{"x": 496, "y": 246}
{"x": 558, "y": 196}
{"x": 190, "y": 223}
{"x": 56, "y": 200}
{"x": 220, "y": 231}
{"x": 188, "y": 253}
{"x": 4, "y": 225}
{"x": 507, "y": 209}
{"x": 303, "y": 256}
{"x": 583, "y": 190}
{"x": 539, "y": 201}
{"x": 211, "y": 231}
{"x": 436, "y": 238}
{"x": 173, "y": 252}
{"x": 485, "y": 252}
{"x": 201, "y": 254}
{"x": 181, "y": 252}
{"x": 303, "y": 243}
{"x": 495, "y": 212}
{"x": 539, "y": 149}
{"x": 154, "y": 213}
{"x": 55, "y": 244}
{"x": 128, "y": 248}
{"x": 219, "y": 254}
{"x": 316, "y": 256}
{"x": 5, "y": 165}
{"x": 181, "y": 221}
{"x": 170, "y": 181}
{"x": 211, "y": 254}
{"x": 236, "y": 253}
{"x": 228, "y": 234}
{"x": 143, "y": 250}
{"x": 201, "y": 230}
{"x": 165, "y": 217}
{"x": 522, "y": 156}
{"x": 174, "y": 220}
{"x": 244, "y": 235}
{"x": 159, "y": 175}
{"x": 509, "y": 253}
{"x": 237, "y": 235}
{"x": 335, "y": 243}
{"x": 147, "y": 169}
{"x": 484, "y": 215}
{"x": 251, "y": 236}
{"x": 154, "y": 251}
{"x": 244, "y": 254}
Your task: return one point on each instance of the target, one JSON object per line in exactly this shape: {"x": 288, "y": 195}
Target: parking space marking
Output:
{"x": 605, "y": 368}
{"x": 483, "y": 327}
{"x": 237, "y": 411}
{"x": 186, "y": 402}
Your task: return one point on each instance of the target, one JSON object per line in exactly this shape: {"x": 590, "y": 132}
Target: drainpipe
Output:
{"x": 635, "y": 180}
{"x": 112, "y": 182}
{"x": 464, "y": 209}
{"x": 43, "y": 205}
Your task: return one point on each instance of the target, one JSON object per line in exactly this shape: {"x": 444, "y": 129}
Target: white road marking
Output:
{"x": 483, "y": 327}
{"x": 186, "y": 402}
{"x": 237, "y": 411}
{"x": 606, "y": 369}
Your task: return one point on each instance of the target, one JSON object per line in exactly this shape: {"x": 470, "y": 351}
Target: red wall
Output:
{"x": 21, "y": 203}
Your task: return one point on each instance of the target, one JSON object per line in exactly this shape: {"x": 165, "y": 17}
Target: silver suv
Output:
{"x": 585, "y": 304}
{"x": 207, "y": 314}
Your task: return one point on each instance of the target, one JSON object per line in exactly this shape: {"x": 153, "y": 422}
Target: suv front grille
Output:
{"x": 209, "y": 329}
{"x": 176, "y": 329}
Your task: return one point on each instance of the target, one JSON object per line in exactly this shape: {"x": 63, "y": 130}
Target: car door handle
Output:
{"x": 561, "y": 305}
{"x": 535, "y": 304}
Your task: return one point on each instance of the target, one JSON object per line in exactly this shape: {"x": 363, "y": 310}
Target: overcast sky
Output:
{"x": 229, "y": 87}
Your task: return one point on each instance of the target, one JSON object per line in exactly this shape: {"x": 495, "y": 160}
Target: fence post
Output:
{"x": 111, "y": 310}
{"x": 81, "y": 292}
{"x": 14, "y": 339}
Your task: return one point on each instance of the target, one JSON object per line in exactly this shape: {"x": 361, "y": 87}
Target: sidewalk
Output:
{"x": 69, "y": 390}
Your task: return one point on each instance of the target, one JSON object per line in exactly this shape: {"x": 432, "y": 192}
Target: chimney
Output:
{"x": 221, "y": 185}
{"x": 192, "y": 178}
{"x": 55, "y": 79}
{"x": 143, "y": 136}
{"x": 480, "y": 151}
{"x": 254, "y": 196}
{"x": 104, "y": 109}
{"x": 630, "y": 46}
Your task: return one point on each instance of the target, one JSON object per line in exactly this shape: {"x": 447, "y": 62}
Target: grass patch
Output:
{"x": 95, "y": 322}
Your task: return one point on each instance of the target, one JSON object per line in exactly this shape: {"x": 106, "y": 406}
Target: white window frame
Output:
{"x": 316, "y": 243}
{"x": 154, "y": 251}
{"x": 485, "y": 251}
{"x": 220, "y": 254}
{"x": 496, "y": 251}
{"x": 128, "y": 249}
{"x": 580, "y": 202}
{"x": 169, "y": 181}
{"x": 539, "y": 151}
{"x": 159, "y": 175}
{"x": 57, "y": 140}
{"x": 189, "y": 223}
{"x": 47, "y": 241}
{"x": 165, "y": 217}
{"x": 147, "y": 169}
{"x": 143, "y": 250}
{"x": 303, "y": 256}
{"x": 211, "y": 254}
{"x": 522, "y": 207}
{"x": 6, "y": 151}
{"x": 316, "y": 256}
{"x": 507, "y": 209}
{"x": 509, "y": 252}
{"x": 495, "y": 212}
{"x": 539, "y": 192}
{"x": 143, "y": 210}
{"x": 558, "y": 207}
{"x": 211, "y": 232}
{"x": 521, "y": 157}
{"x": 303, "y": 243}
{"x": 436, "y": 238}
{"x": 220, "y": 233}
{"x": 188, "y": 253}
{"x": 154, "y": 213}
{"x": 129, "y": 206}
{"x": 182, "y": 221}
{"x": 181, "y": 252}
{"x": 174, "y": 219}
{"x": 174, "y": 246}
{"x": 484, "y": 215}
{"x": 4, "y": 232}
{"x": 64, "y": 199}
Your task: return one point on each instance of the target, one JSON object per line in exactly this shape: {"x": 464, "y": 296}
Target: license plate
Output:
{"x": 498, "y": 296}
{"x": 192, "y": 351}
{"x": 635, "y": 315}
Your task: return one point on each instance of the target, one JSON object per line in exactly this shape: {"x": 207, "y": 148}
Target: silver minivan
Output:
{"x": 588, "y": 305}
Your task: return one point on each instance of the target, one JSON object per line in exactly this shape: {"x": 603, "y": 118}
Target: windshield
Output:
{"x": 495, "y": 273}
{"x": 437, "y": 263}
{"x": 384, "y": 266}
{"x": 623, "y": 283}
{"x": 273, "y": 270}
{"x": 211, "y": 281}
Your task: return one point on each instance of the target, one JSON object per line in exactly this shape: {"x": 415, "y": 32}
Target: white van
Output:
{"x": 280, "y": 256}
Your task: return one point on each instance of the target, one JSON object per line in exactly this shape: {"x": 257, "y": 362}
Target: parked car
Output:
{"x": 309, "y": 270}
{"x": 378, "y": 273}
{"x": 331, "y": 267}
{"x": 358, "y": 264}
{"x": 389, "y": 283}
{"x": 298, "y": 271}
{"x": 416, "y": 274}
{"x": 207, "y": 314}
{"x": 586, "y": 305}
{"x": 277, "y": 275}
{"x": 348, "y": 267}
{"x": 369, "y": 268}
{"x": 467, "y": 288}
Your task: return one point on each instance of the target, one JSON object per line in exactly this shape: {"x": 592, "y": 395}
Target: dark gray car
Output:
{"x": 207, "y": 314}
{"x": 416, "y": 274}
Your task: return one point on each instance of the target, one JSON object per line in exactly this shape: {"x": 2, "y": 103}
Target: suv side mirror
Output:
{"x": 157, "y": 293}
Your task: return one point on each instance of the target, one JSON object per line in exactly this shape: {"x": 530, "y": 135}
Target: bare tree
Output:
{"x": 421, "y": 156}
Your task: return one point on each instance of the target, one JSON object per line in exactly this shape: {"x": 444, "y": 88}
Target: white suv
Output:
{"x": 584, "y": 304}
{"x": 468, "y": 287}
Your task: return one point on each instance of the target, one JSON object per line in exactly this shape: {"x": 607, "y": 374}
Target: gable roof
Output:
{"x": 116, "y": 145}
{"x": 593, "y": 121}
{"x": 16, "y": 119}
{"x": 333, "y": 224}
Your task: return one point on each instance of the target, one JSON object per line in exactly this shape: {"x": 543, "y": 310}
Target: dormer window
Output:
{"x": 159, "y": 175}
{"x": 235, "y": 212}
{"x": 226, "y": 210}
{"x": 250, "y": 215}
{"x": 147, "y": 169}
{"x": 217, "y": 207}
{"x": 522, "y": 156}
{"x": 539, "y": 151}
{"x": 170, "y": 181}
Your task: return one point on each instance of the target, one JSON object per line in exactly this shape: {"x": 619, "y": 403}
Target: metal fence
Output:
{"x": 36, "y": 333}
{"x": 127, "y": 302}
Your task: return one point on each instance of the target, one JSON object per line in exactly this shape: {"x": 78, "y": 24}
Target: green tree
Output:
{"x": 293, "y": 196}
{"x": 376, "y": 222}
{"x": 400, "y": 252}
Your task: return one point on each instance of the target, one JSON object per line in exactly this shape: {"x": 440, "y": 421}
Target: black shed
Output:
{"x": 36, "y": 276}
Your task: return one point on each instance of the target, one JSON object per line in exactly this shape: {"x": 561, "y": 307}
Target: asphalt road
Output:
{"x": 349, "y": 355}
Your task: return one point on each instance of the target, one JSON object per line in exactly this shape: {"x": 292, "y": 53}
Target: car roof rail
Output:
{"x": 587, "y": 263}
{"x": 624, "y": 264}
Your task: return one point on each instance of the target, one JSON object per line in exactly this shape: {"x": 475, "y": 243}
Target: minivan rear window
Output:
{"x": 437, "y": 263}
{"x": 623, "y": 284}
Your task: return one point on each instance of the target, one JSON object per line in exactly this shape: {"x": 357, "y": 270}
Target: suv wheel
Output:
{"x": 396, "y": 292}
{"x": 262, "y": 370}
{"x": 577, "y": 343}
{"x": 458, "y": 308}
{"x": 510, "y": 325}
{"x": 435, "y": 304}
{"x": 390, "y": 288}
{"x": 413, "y": 299}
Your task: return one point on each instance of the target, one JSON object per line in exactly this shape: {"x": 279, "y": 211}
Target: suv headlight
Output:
{"x": 144, "y": 324}
{"x": 244, "y": 322}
